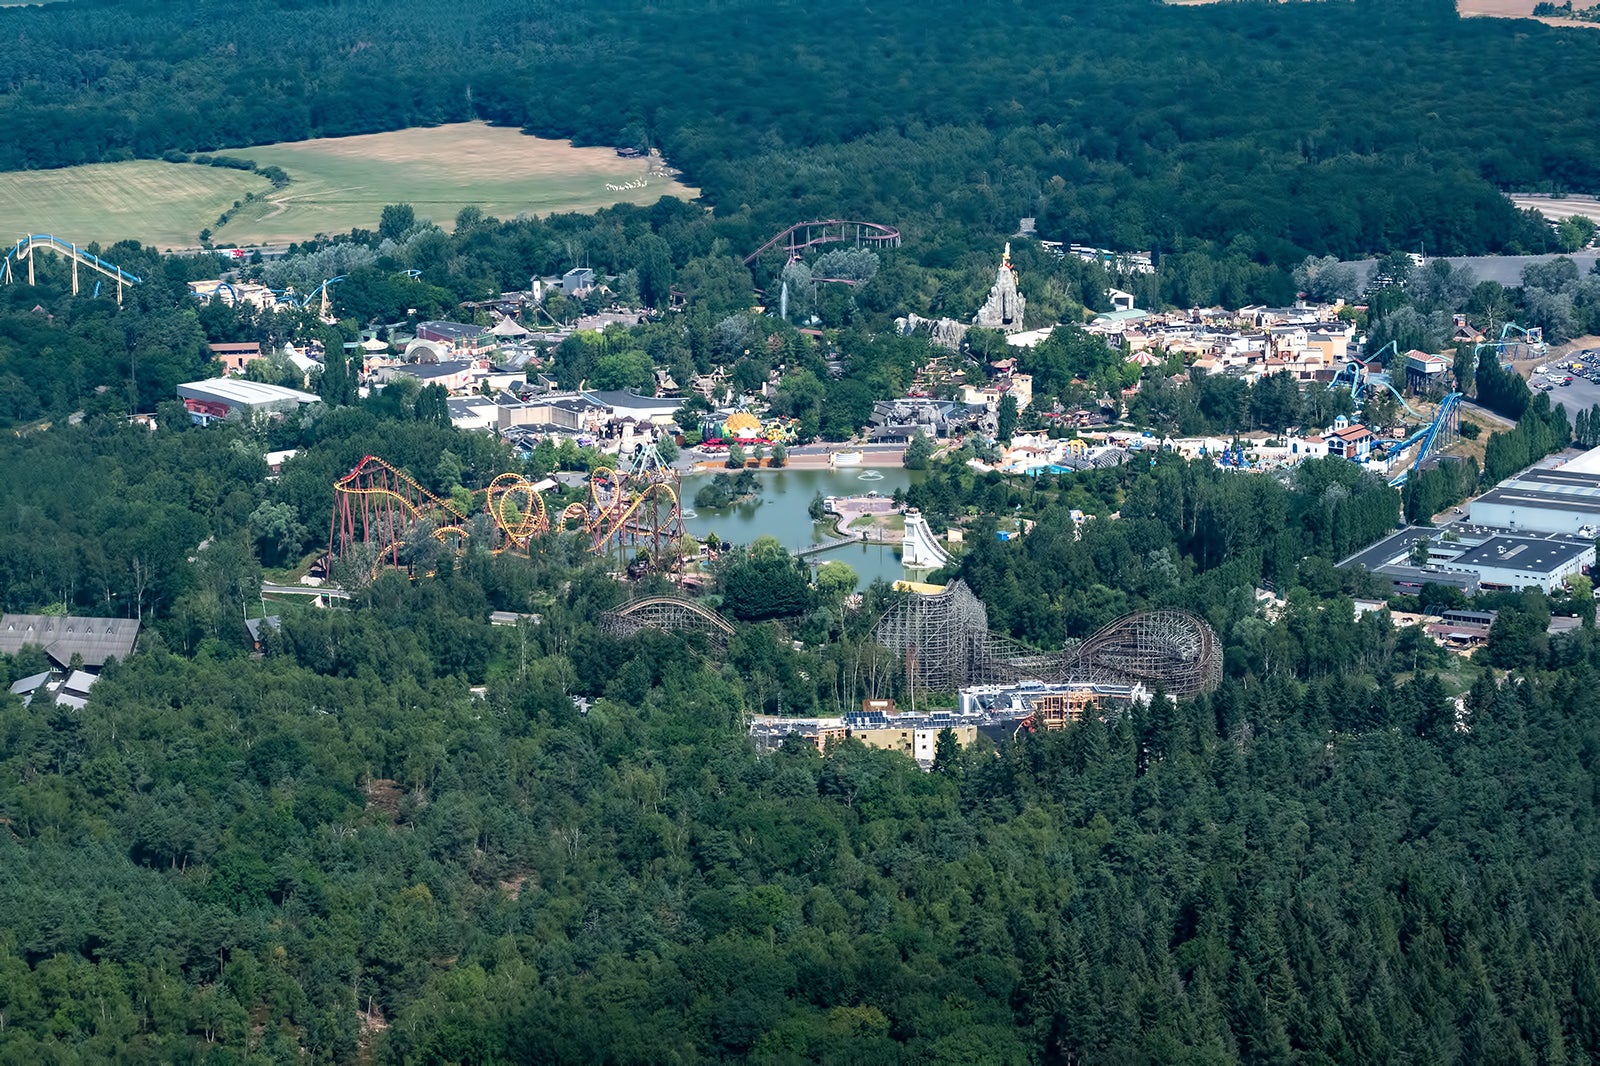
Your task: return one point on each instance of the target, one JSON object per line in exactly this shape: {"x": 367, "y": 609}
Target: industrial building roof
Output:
{"x": 246, "y": 393}
{"x": 1523, "y": 554}
{"x": 429, "y": 371}
{"x": 63, "y": 636}
{"x": 1587, "y": 463}
{"x": 622, "y": 400}
{"x": 456, "y": 330}
{"x": 28, "y": 684}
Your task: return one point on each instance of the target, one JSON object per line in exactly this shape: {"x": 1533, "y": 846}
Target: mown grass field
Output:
{"x": 161, "y": 204}
{"x": 339, "y": 183}
{"x": 336, "y": 184}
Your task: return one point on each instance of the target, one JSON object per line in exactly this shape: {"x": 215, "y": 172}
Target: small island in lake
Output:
{"x": 726, "y": 490}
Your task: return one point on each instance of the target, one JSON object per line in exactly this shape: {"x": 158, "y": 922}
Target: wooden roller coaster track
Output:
{"x": 945, "y": 642}
{"x": 672, "y": 613}
{"x": 803, "y": 235}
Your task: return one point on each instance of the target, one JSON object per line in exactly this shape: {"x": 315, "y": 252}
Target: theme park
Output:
{"x": 779, "y": 447}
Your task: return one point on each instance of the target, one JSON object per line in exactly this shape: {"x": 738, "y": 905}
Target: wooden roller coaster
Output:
{"x": 673, "y": 613}
{"x": 945, "y": 642}
{"x": 802, "y": 235}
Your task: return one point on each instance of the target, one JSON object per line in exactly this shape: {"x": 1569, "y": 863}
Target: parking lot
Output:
{"x": 1583, "y": 393}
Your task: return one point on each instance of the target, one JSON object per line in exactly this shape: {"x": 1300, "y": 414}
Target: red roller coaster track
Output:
{"x": 804, "y": 235}
{"x": 375, "y": 503}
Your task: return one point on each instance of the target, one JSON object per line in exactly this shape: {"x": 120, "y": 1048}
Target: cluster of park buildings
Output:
{"x": 996, "y": 711}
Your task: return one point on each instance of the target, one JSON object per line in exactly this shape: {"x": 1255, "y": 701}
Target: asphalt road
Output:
{"x": 270, "y": 589}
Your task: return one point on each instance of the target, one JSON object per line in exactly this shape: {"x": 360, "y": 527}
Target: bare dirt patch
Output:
{"x": 384, "y": 794}
{"x": 1514, "y": 9}
{"x": 512, "y": 886}
{"x": 343, "y": 182}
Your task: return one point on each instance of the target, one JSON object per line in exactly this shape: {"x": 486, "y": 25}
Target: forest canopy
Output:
{"x": 1128, "y": 123}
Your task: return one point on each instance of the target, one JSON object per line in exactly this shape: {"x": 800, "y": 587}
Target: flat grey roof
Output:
{"x": 1521, "y": 553}
{"x": 1517, "y": 496}
{"x": 425, "y": 371}
{"x": 1394, "y": 545}
{"x": 452, "y": 329}
{"x": 619, "y": 399}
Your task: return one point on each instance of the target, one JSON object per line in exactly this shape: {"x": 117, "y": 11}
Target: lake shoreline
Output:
{"x": 880, "y": 460}
{"x": 782, "y": 511}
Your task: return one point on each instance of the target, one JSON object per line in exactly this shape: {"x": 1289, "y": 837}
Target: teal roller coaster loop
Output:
{"x": 1515, "y": 343}
{"x": 1359, "y": 380}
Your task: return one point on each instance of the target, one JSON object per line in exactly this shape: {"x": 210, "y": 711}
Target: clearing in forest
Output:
{"x": 335, "y": 184}
{"x": 1515, "y": 9}
{"x": 342, "y": 182}
{"x": 161, "y": 204}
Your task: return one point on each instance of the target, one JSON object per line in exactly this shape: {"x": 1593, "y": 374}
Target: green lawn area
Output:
{"x": 336, "y": 184}
{"x": 1456, "y": 676}
{"x": 161, "y": 204}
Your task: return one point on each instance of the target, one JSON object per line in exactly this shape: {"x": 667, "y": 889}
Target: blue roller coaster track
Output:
{"x": 1354, "y": 376}
{"x": 1515, "y": 343}
{"x": 1436, "y": 435}
{"x": 281, "y": 297}
{"x": 25, "y": 248}
{"x": 320, "y": 292}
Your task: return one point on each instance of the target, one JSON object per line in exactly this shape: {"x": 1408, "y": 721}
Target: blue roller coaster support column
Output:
{"x": 27, "y": 246}
{"x": 1444, "y": 431}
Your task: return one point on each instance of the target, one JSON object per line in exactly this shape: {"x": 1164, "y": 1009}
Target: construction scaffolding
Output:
{"x": 945, "y": 643}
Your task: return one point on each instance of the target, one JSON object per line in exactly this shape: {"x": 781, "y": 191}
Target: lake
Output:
{"x": 781, "y": 511}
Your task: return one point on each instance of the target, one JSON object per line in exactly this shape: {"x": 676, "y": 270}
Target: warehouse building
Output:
{"x": 92, "y": 640}
{"x": 1476, "y": 558}
{"x": 1554, "y": 499}
{"x": 216, "y": 398}
{"x": 1501, "y": 563}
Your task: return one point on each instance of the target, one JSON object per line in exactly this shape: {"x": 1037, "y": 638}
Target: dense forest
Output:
{"x": 1226, "y": 130}
{"x": 397, "y": 836}
{"x": 401, "y": 833}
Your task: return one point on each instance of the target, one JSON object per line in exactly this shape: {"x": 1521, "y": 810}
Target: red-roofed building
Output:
{"x": 1350, "y": 440}
{"x": 234, "y": 355}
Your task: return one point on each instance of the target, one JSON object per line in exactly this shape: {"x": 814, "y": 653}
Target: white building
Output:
{"x": 1523, "y": 562}
{"x": 1555, "y": 499}
{"x": 217, "y": 398}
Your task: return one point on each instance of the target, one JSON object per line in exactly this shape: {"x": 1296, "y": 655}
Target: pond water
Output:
{"x": 782, "y": 511}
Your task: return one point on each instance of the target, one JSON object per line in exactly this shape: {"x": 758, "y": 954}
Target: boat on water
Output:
{"x": 845, "y": 458}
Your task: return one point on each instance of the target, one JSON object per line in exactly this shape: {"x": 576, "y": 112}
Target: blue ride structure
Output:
{"x": 25, "y": 248}
{"x": 1436, "y": 435}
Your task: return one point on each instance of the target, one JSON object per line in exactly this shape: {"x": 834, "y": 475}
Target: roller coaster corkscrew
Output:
{"x": 635, "y": 513}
